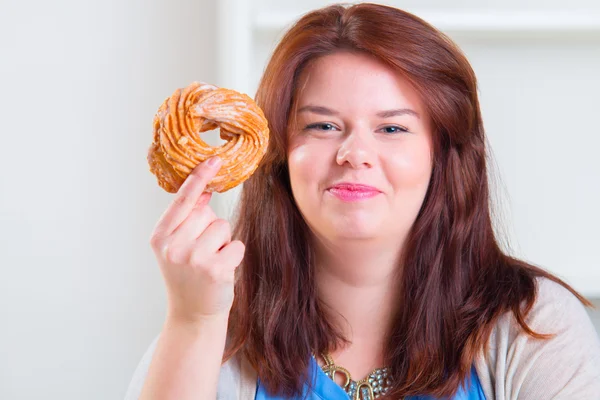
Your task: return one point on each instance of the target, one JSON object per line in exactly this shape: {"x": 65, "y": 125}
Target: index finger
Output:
{"x": 188, "y": 195}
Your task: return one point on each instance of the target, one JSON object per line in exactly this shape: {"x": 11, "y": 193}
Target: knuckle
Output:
{"x": 238, "y": 246}
{"x": 198, "y": 259}
{"x": 173, "y": 255}
{"x": 226, "y": 225}
{"x": 234, "y": 254}
{"x": 239, "y": 257}
{"x": 221, "y": 222}
{"x": 182, "y": 200}
{"x": 156, "y": 240}
{"x": 210, "y": 212}
{"x": 206, "y": 212}
{"x": 213, "y": 274}
{"x": 221, "y": 228}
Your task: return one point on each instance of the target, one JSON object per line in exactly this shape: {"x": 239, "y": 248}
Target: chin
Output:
{"x": 352, "y": 229}
{"x": 336, "y": 224}
{"x": 348, "y": 236}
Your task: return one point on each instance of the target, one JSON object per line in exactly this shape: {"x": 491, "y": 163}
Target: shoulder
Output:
{"x": 516, "y": 365}
{"x": 141, "y": 371}
{"x": 237, "y": 379}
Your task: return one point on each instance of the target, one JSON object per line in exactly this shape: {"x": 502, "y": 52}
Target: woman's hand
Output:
{"x": 194, "y": 250}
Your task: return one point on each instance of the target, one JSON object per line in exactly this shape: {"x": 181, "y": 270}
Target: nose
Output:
{"x": 357, "y": 150}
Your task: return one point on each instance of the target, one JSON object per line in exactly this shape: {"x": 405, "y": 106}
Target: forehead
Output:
{"x": 352, "y": 80}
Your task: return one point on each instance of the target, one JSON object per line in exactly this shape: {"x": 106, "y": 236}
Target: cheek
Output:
{"x": 301, "y": 163}
{"x": 411, "y": 167}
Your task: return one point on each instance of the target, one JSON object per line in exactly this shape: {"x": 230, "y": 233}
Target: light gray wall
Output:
{"x": 80, "y": 81}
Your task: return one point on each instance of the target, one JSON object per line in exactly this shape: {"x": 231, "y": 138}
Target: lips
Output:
{"x": 347, "y": 191}
{"x": 354, "y": 187}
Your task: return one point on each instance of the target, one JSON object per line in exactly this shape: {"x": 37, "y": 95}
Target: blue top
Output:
{"x": 326, "y": 389}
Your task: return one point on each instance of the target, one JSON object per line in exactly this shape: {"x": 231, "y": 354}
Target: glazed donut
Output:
{"x": 177, "y": 147}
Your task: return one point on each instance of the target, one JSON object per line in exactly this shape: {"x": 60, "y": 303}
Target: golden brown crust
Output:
{"x": 177, "y": 147}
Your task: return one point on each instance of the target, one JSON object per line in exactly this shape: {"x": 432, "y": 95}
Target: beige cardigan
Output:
{"x": 513, "y": 366}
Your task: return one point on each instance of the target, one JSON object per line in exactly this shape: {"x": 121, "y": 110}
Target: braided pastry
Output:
{"x": 177, "y": 147}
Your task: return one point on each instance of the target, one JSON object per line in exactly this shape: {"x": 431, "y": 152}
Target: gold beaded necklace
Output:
{"x": 373, "y": 386}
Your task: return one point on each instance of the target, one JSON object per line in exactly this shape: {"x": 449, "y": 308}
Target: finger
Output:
{"x": 193, "y": 226}
{"x": 203, "y": 200}
{"x": 232, "y": 254}
{"x": 159, "y": 240}
{"x": 229, "y": 258}
{"x": 176, "y": 248}
{"x": 215, "y": 236}
{"x": 187, "y": 196}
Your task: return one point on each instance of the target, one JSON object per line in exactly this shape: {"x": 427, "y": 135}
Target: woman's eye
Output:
{"x": 331, "y": 127}
{"x": 321, "y": 127}
{"x": 394, "y": 129}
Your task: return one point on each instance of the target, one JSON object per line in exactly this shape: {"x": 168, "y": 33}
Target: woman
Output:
{"x": 364, "y": 241}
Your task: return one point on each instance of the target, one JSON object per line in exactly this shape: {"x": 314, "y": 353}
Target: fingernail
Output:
{"x": 212, "y": 162}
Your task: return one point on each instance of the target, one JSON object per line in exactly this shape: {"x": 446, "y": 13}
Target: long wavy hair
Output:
{"x": 456, "y": 280}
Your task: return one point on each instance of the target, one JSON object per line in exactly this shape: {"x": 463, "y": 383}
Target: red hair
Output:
{"x": 455, "y": 282}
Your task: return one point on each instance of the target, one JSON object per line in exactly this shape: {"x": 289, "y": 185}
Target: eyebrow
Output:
{"x": 382, "y": 114}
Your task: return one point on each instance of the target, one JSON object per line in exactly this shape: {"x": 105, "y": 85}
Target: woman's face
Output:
{"x": 360, "y": 154}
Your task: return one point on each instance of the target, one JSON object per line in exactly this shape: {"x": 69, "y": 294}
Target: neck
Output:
{"x": 358, "y": 284}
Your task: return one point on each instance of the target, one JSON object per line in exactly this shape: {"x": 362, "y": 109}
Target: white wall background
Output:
{"x": 80, "y": 294}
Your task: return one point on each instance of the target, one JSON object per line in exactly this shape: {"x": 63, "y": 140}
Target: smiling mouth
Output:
{"x": 353, "y": 192}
